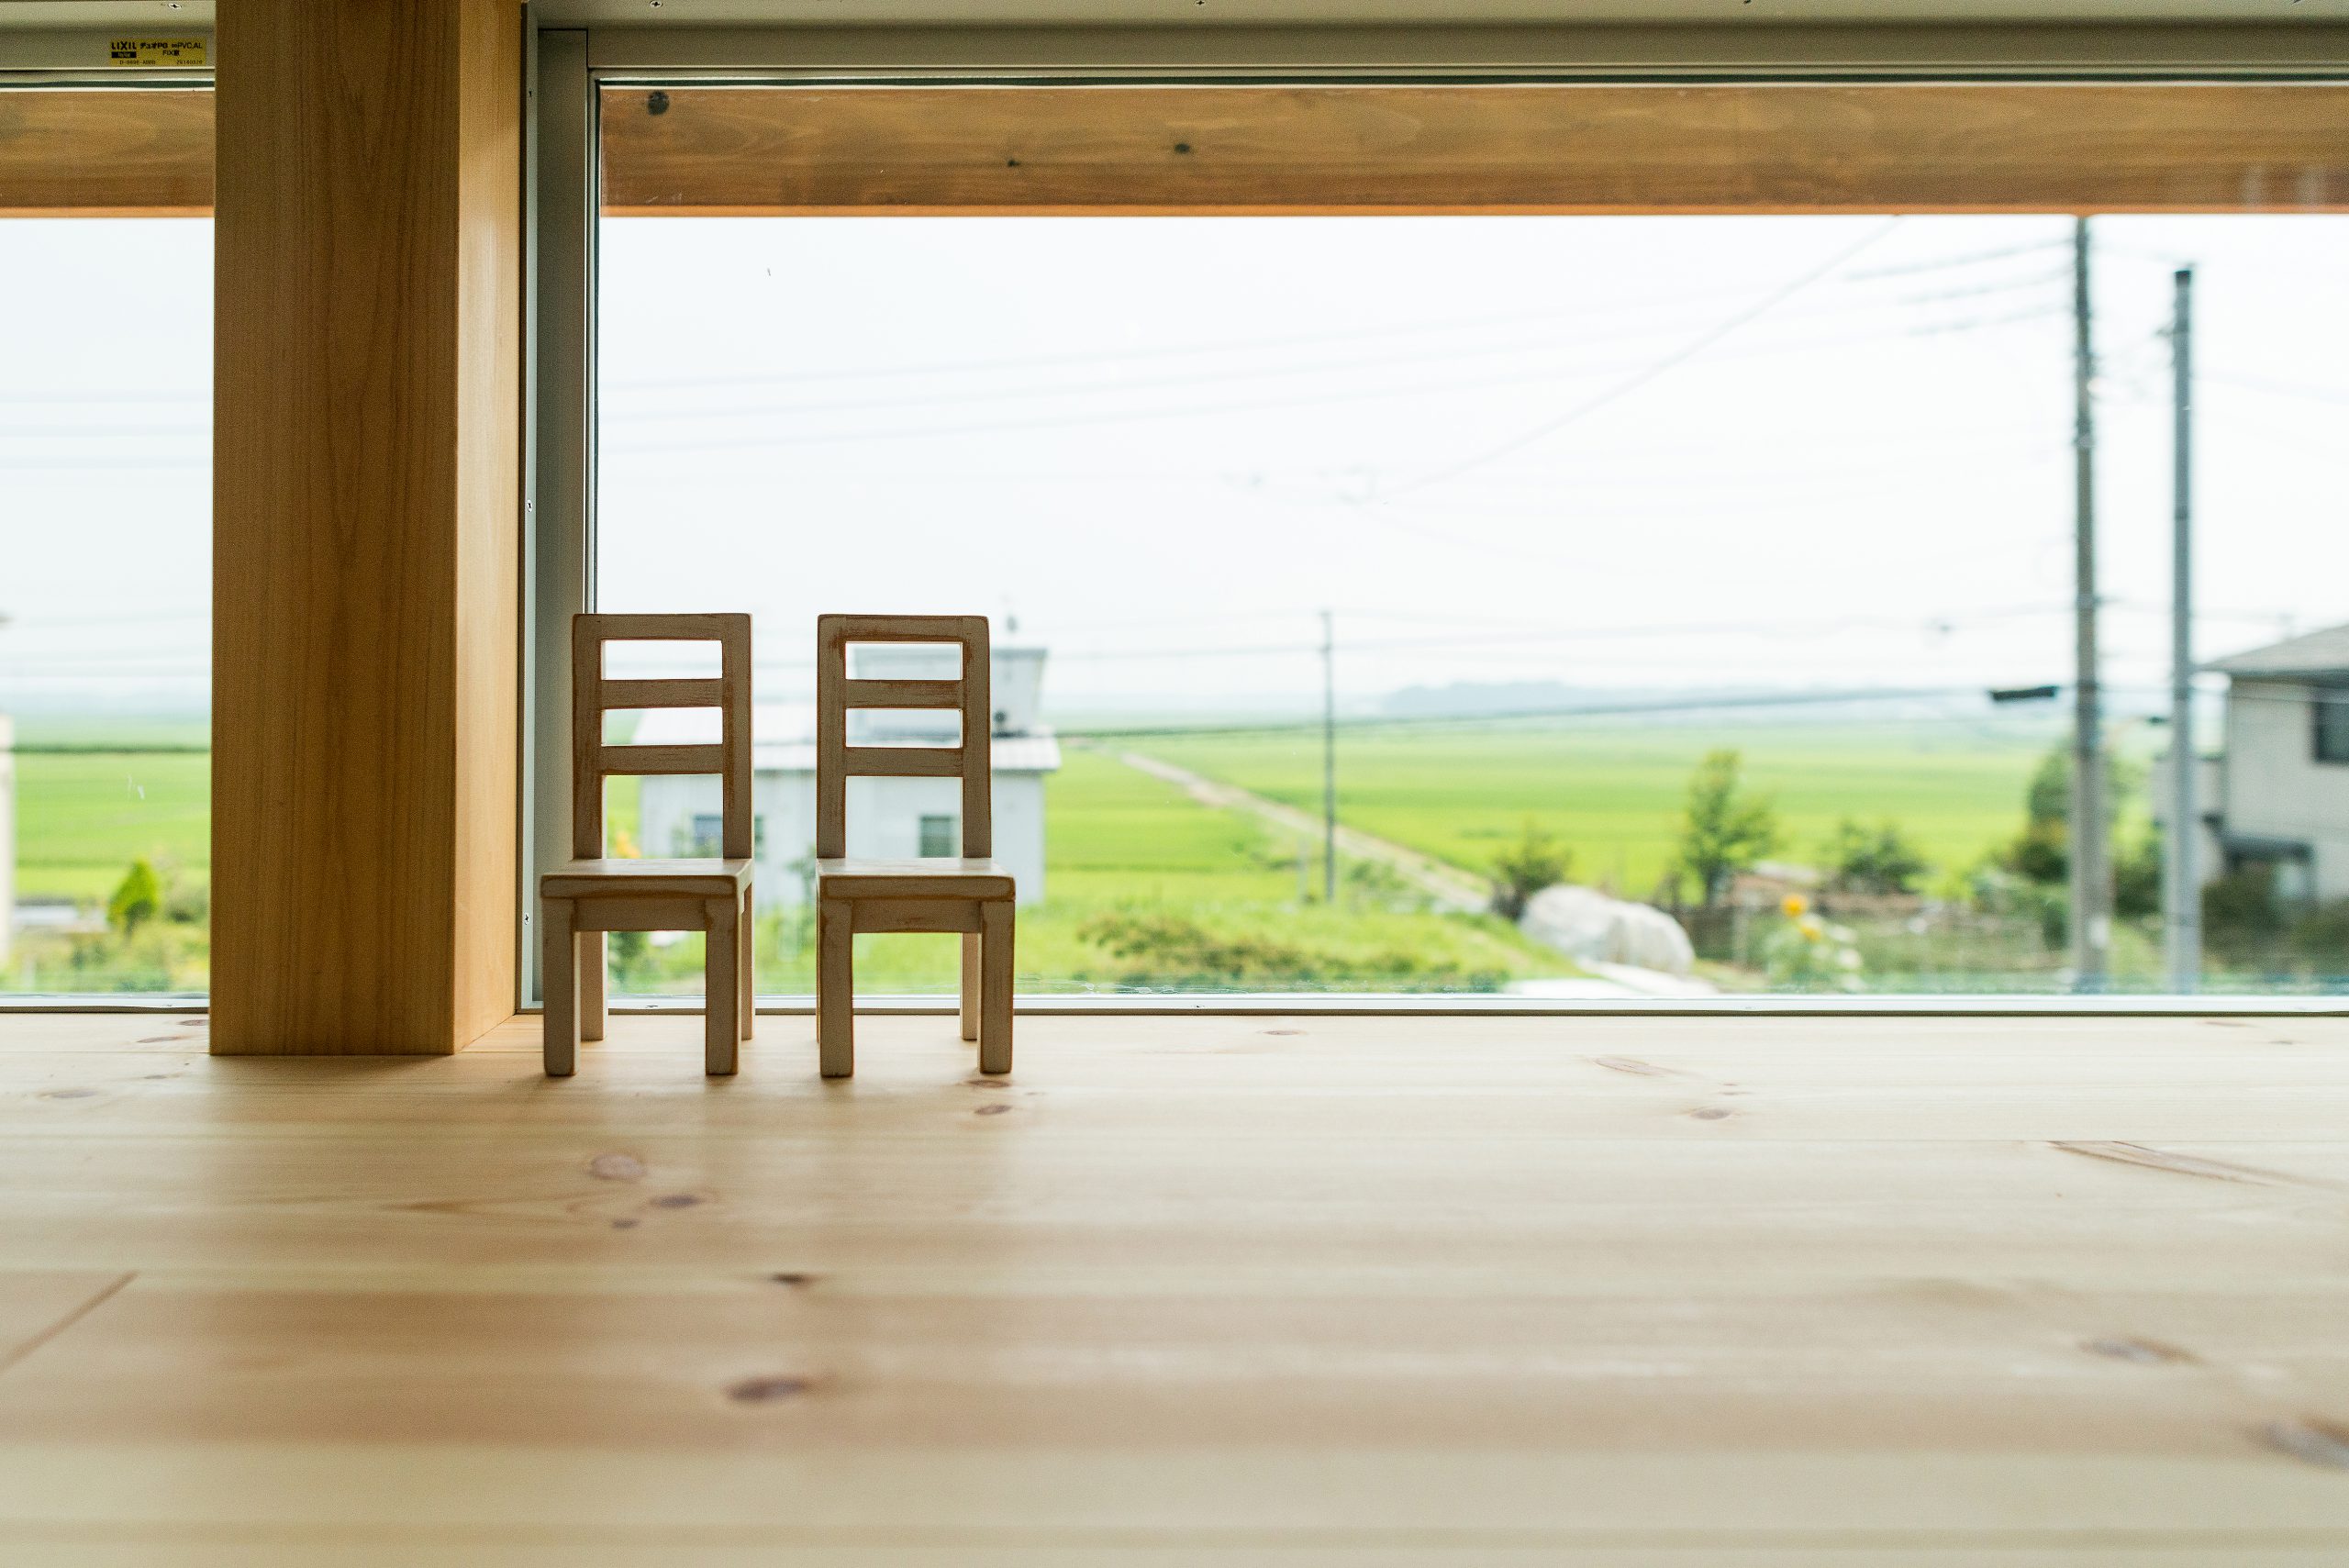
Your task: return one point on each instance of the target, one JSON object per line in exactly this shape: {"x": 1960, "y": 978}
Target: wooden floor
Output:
{"x": 1296, "y": 1292}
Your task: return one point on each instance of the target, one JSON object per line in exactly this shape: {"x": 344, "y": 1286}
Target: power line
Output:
{"x": 1643, "y": 377}
{"x": 1514, "y": 319}
{"x": 1908, "y": 269}
{"x": 1588, "y": 710}
{"x": 2275, "y": 388}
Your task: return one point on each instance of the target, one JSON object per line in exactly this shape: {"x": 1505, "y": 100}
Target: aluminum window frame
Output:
{"x": 573, "y": 66}
{"x": 71, "y": 59}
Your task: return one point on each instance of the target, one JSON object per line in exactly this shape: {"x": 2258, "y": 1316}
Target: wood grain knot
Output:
{"x": 2324, "y": 1443}
{"x": 2143, "y": 1353}
{"x": 616, "y": 1168}
{"x": 793, "y": 1280}
{"x": 767, "y": 1390}
{"x": 2123, "y": 1153}
{"x": 1633, "y": 1065}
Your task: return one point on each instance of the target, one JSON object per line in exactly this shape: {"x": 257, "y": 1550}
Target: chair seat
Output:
{"x": 621, "y": 878}
{"x": 944, "y": 876}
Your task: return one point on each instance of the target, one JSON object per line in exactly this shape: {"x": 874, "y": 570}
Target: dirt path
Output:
{"x": 1451, "y": 888}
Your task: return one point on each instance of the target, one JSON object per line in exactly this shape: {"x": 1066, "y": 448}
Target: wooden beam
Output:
{"x": 1477, "y": 148}
{"x": 1990, "y": 148}
{"x": 366, "y": 526}
{"x": 105, "y": 152}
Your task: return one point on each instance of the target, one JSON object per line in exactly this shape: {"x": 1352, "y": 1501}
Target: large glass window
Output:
{"x": 1639, "y": 606}
{"x": 105, "y": 584}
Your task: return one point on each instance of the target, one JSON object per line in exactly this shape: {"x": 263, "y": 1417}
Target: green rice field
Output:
{"x": 83, "y": 816}
{"x": 1149, "y": 889}
{"x": 1615, "y": 794}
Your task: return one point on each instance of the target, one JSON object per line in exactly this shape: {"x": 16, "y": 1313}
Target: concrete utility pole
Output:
{"x": 1328, "y": 759}
{"x": 2181, "y": 878}
{"x": 2091, "y": 889}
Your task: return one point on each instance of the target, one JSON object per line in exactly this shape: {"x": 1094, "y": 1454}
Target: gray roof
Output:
{"x": 782, "y": 739}
{"x": 2323, "y": 653}
{"x": 1007, "y": 753}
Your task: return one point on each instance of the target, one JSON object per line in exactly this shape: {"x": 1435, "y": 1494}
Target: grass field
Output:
{"x": 1127, "y": 850}
{"x": 1615, "y": 794}
{"x": 81, "y": 818}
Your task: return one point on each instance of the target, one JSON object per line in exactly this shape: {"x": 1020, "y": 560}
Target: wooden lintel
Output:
{"x": 1477, "y": 148}
{"x": 105, "y": 152}
{"x": 1599, "y": 148}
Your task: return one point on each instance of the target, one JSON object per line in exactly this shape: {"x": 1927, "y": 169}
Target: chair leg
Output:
{"x": 995, "y": 985}
{"x": 744, "y": 969}
{"x": 721, "y": 950}
{"x": 836, "y": 988}
{"x": 969, "y": 984}
{"x": 559, "y": 975}
{"x": 594, "y": 960}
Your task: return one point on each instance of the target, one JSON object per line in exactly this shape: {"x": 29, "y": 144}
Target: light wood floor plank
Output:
{"x": 1231, "y": 1290}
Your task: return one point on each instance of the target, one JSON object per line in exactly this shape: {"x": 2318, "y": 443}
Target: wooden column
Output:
{"x": 366, "y": 524}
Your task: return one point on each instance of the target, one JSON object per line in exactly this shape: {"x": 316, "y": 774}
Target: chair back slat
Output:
{"x": 903, "y": 762}
{"x": 970, "y": 693}
{"x": 665, "y": 694}
{"x": 903, "y": 694}
{"x": 650, "y": 760}
{"x": 592, "y": 695}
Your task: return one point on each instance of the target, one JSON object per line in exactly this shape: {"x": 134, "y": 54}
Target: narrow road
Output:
{"x": 1451, "y": 888}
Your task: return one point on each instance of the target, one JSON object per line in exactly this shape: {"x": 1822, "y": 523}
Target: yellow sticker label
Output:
{"x": 155, "y": 51}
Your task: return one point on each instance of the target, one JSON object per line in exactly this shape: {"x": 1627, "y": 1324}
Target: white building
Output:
{"x": 886, "y": 817}
{"x": 2278, "y": 795}
{"x": 7, "y": 833}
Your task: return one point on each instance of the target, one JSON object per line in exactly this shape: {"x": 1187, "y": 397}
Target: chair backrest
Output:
{"x": 972, "y": 760}
{"x": 593, "y": 694}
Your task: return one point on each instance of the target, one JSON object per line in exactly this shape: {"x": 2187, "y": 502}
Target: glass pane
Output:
{"x": 105, "y": 655}
{"x": 1675, "y": 605}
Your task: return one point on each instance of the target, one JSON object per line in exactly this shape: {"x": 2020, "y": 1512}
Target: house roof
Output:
{"x": 782, "y": 739}
{"x": 1008, "y": 754}
{"x": 2323, "y": 653}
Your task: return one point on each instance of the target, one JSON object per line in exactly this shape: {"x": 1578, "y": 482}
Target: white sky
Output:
{"x": 1523, "y": 447}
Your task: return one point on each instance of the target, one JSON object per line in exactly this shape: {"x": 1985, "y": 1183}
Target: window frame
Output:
{"x": 74, "y": 60}
{"x": 2329, "y": 704}
{"x": 570, "y": 68}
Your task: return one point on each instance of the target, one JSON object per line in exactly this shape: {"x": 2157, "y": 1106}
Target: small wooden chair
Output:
{"x": 584, "y": 898}
{"x": 971, "y": 894}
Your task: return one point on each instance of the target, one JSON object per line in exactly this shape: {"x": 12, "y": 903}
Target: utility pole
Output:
{"x": 2181, "y": 878}
{"x": 2091, "y": 890}
{"x": 1328, "y": 759}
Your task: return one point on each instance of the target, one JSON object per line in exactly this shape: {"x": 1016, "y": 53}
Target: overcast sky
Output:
{"x": 1612, "y": 452}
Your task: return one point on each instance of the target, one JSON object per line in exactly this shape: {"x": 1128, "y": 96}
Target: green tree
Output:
{"x": 137, "y": 897}
{"x": 1725, "y": 829}
{"x": 2042, "y": 853}
{"x": 1873, "y": 860}
{"x": 2137, "y": 876}
{"x": 1535, "y": 862}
